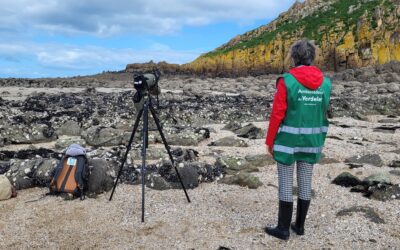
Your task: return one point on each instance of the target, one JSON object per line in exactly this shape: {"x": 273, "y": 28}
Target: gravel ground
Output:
{"x": 219, "y": 215}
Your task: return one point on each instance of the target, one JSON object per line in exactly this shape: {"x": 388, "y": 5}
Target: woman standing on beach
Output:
{"x": 296, "y": 134}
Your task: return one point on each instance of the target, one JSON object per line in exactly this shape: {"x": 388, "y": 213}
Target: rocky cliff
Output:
{"x": 348, "y": 33}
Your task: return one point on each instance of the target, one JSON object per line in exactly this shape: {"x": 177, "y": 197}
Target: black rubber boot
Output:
{"x": 284, "y": 218}
{"x": 302, "y": 209}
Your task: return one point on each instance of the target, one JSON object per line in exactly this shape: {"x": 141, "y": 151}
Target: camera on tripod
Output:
{"x": 145, "y": 85}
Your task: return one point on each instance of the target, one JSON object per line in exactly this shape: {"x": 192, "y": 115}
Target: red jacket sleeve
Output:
{"x": 278, "y": 112}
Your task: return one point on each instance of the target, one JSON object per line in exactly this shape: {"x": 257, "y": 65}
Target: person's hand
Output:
{"x": 270, "y": 150}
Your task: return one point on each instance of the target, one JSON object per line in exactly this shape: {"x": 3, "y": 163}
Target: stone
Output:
{"x": 327, "y": 160}
{"x": 5, "y": 188}
{"x": 393, "y": 87}
{"x": 384, "y": 192}
{"x": 18, "y": 176}
{"x": 232, "y": 126}
{"x": 65, "y": 142}
{"x": 44, "y": 172}
{"x": 359, "y": 189}
{"x": 395, "y": 172}
{"x": 102, "y": 174}
{"x": 371, "y": 159}
{"x": 157, "y": 182}
{"x": 379, "y": 178}
{"x": 243, "y": 179}
{"x": 260, "y": 160}
{"x": 190, "y": 176}
{"x": 346, "y": 179}
{"x": 232, "y": 165}
{"x": 395, "y": 164}
{"x": 229, "y": 141}
{"x": 251, "y": 132}
{"x": 100, "y": 136}
{"x": 368, "y": 213}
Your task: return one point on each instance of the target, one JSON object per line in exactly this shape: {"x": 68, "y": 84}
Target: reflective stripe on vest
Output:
{"x": 302, "y": 131}
{"x": 289, "y": 150}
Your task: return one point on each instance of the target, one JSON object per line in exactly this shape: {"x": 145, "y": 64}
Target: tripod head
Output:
{"x": 146, "y": 85}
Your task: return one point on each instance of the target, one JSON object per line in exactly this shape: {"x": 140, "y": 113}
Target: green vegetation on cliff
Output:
{"x": 338, "y": 17}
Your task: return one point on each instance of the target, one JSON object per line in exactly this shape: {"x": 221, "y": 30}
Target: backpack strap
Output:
{"x": 57, "y": 172}
{"x": 81, "y": 174}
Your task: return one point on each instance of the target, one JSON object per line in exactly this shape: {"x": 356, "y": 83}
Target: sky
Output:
{"x": 61, "y": 38}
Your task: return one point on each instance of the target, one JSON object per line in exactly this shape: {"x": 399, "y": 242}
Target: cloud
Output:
{"x": 106, "y": 18}
{"x": 67, "y": 60}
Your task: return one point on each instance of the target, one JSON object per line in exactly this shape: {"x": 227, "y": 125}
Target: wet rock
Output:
{"x": 371, "y": 159}
{"x": 368, "y": 213}
{"x": 102, "y": 174}
{"x": 346, "y": 179}
{"x": 65, "y": 142}
{"x": 379, "y": 178}
{"x": 243, "y": 179}
{"x": 70, "y": 128}
{"x": 99, "y": 136}
{"x": 229, "y": 141}
{"x": 251, "y": 132}
{"x": 395, "y": 164}
{"x": 5, "y": 188}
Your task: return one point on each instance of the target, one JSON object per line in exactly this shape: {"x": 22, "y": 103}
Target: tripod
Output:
{"x": 145, "y": 112}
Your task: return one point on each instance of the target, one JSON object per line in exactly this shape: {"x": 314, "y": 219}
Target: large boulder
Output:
{"x": 70, "y": 128}
{"x": 102, "y": 174}
{"x": 5, "y": 188}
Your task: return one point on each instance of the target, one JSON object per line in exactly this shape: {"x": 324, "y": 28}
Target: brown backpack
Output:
{"x": 71, "y": 176}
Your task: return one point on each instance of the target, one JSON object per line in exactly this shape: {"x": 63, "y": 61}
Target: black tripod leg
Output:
{"x": 144, "y": 147}
{"x": 153, "y": 113}
{"x": 128, "y": 148}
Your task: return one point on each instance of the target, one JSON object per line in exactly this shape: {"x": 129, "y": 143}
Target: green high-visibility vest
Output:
{"x": 302, "y": 133}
